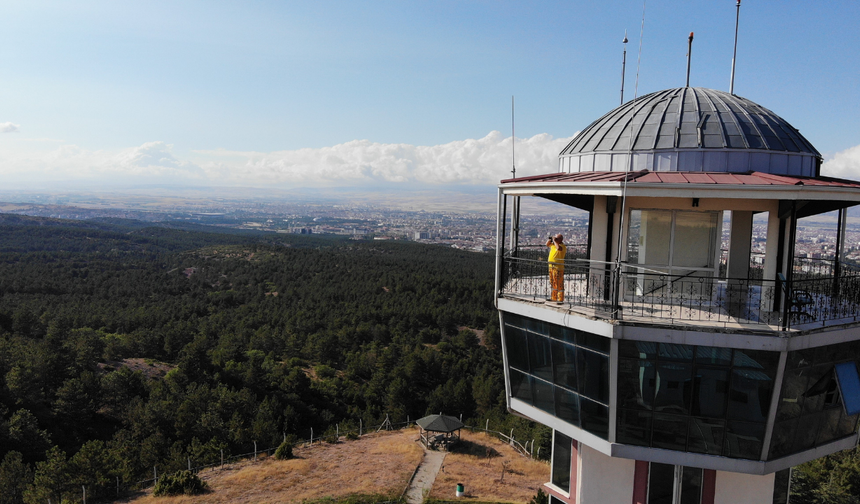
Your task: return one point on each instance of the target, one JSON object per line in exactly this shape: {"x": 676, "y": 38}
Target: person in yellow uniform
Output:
{"x": 556, "y": 266}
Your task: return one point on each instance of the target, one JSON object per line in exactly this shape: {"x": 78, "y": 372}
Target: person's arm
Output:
{"x": 549, "y": 241}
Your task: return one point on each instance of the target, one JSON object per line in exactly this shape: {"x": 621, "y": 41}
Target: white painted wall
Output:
{"x": 737, "y": 488}
{"x": 603, "y": 479}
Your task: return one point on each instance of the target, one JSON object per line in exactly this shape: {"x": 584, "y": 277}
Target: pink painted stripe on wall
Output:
{"x": 640, "y": 482}
{"x": 709, "y": 486}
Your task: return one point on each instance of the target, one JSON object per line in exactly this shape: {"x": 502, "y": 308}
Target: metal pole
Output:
{"x": 623, "y": 66}
{"x": 689, "y": 55}
{"x": 360, "y": 427}
{"x": 154, "y": 475}
{"x": 487, "y": 426}
{"x": 735, "y": 53}
{"x": 513, "y": 141}
{"x": 84, "y": 489}
{"x": 222, "y": 458}
{"x": 255, "y": 451}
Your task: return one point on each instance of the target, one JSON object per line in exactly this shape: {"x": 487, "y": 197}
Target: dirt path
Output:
{"x": 422, "y": 483}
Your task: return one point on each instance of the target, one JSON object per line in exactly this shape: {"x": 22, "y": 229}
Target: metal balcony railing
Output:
{"x": 636, "y": 293}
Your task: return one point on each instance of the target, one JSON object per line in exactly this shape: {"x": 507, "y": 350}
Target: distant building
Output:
{"x": 422, "y": 235}
{"x": 666, "y": 375}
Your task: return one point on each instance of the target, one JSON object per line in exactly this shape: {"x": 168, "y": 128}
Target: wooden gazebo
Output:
{"x": 439, "y": 431}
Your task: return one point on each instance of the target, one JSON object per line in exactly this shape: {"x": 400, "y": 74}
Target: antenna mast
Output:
{"x": 735, "y": 53}
{"x": 513, "y": 141}
{"x": 689, "y": 55}
{"x": 623, "y": 65}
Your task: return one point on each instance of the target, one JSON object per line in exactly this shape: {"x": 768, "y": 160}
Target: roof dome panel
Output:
{"x": 691, "y": 119}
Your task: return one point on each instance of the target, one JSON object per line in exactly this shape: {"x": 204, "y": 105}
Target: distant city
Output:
{"x": 473, "y": 230}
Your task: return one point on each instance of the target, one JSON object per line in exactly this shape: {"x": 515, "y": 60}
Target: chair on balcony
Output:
{"x": 796, "y": 299}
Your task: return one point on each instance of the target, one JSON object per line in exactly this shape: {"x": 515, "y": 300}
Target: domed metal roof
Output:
{"x": 691, "y": 129}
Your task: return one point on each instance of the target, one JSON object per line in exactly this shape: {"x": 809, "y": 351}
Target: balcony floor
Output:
{"x": 730, "y": 308}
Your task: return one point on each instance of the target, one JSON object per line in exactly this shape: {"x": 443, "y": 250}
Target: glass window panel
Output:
{"x": 593, "y": 375}
{"x": 706, "y": 435}
{"x": 567, "y": 406}
{"x": 594, "y": 417}
{"x": 744, "y": 439}
{"x": 514, "y": 320}
{"x": 713, "y": 355}
{"x": 671, "y": 352}
{"x": 637, "y": 380}
{"x": 814, "y": 396}
{"x": 564, "y": 364}
{"x": 782, "y": 442}
{"x": 655, "y": 237}
{"x": 847, "y": 424}
{"x": 800, "y": 358}
{"x": 691, "y": 485}
{"x": 521, "y": 386}
{"x": 695, "y": 234}
{"x": 828, "y": 427}
{"x": 661, "y": 483}
{"x": 593, "y": 342}
{"x": 669, "y": 431}
{"x": 633, "y": 236}
{"x": 633, "y": 427}
{"x": 807, "y": 431}
{"x": 637, "y": 349}
{"x": 710, "y": 390}
{"x": 561, "y": 457}
{"x": 674, "y": 387}
{"x": 749, "y": 395}
{"x": 516, "y": 346}
{"x": 544, "y": 396}
{"x": 794, "y": 384}
{"x": 781, "y": 480}
{"x": 829, "y": 354}
{"x": 536, "y": 326}
{"x": 540, "y": 356}
{"x": 758, "y": 359}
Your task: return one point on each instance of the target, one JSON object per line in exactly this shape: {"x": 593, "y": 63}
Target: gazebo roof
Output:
{"x": 440, "y": 423}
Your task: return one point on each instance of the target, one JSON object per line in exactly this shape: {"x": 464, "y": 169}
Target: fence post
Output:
{"x": 461, "y": 418}
{"x": 222, "y": 458}
{"x": 117, "y": 486}
{"x": 407, "y": 420}
{"x": 511, "y": 440}
{"x": 84, "y": 489}
{"x": 255, "y": 451}
{"x": 189, "y": 464}
{"x": 487, "y": 426}
{"x": 336, "y": 432}
{"x": 360, "y": 427}
{"x": 154, "y": 475}
{"x": 312, "y": 435}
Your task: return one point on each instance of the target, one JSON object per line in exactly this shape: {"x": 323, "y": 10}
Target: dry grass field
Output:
{"x": 490, "y": 470}
{"x": 375, "y": 464}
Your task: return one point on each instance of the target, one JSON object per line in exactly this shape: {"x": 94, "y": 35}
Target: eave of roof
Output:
{"x": 682, "y": 184}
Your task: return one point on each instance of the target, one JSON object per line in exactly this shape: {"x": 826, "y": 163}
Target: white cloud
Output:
{"x": 359, "y": 162}
{"x": 8, "y": 127}
{"x": 474, "y": 161}
{"x": 844, "y": 164}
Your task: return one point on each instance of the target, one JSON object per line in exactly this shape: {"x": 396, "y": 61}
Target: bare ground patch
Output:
{"x": 490, "y": 470}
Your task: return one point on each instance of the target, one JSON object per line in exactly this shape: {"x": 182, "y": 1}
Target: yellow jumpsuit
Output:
{"x": 556, "y": 270}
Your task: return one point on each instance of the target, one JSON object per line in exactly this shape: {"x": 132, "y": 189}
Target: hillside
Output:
{"x": 126, "y": 349}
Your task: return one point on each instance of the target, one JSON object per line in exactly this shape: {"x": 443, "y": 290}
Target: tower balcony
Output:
{"x": 822, "y": 294}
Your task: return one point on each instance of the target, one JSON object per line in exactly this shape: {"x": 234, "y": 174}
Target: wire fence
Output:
{"x": 525, "y": 448}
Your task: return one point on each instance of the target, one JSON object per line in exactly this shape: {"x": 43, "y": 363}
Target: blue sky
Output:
{"x": 286, "y": 94}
